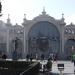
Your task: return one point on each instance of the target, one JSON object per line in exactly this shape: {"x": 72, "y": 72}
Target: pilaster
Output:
{"x": 62, "y": 33}
{"x": 25, "y": 42}
{"x": 8, "y": 24}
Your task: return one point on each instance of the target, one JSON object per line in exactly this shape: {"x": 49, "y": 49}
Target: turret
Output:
{"x": 63, "y": 20}
{"x": 24, "y": 20}
{"x": 43, "y": 12}
{"x": 8, "y": 21}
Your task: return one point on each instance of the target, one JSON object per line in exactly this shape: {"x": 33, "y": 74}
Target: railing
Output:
{"x": 13, "y": 67}
{"x": 31, "y": 70}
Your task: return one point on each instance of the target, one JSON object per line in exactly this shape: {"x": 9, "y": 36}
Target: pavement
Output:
{"x": 68, "y": 67}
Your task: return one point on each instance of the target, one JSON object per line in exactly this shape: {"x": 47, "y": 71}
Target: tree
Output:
{"x": 0, "y": 7}
{"x": 4, "y": 56}
{"x": 49, "y": 65}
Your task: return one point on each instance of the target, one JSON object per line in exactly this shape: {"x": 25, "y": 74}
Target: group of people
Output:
{"x": 3, "y": 56}
{"x": 53, "y": 57}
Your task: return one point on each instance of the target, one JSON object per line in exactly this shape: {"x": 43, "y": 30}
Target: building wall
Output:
{"x": 59, "y": 24}
{"x": 22, "y": 33}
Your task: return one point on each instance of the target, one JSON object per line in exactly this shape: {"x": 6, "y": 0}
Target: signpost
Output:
{"x": 60, "y": 68}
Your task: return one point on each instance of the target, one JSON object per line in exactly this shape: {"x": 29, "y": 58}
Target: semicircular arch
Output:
{"x": 49, "y": 37}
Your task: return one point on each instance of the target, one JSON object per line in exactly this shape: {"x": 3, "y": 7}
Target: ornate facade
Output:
{"x": 41, "y": 35}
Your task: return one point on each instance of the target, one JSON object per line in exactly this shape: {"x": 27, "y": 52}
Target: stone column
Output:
{"x": 61, "y": 55}
{"x": 62, "y": 39}
{"x": 24, "y": 54}
{"x": 25, "y": 44}
{"x": 62, "y": 33}
{"x": 8, "y": 40}
{"x": 8, "y": 24}
{"x": 60, "y": 43}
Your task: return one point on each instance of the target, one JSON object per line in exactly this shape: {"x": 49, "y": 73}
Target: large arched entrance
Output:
{"x": 43, "y": 38}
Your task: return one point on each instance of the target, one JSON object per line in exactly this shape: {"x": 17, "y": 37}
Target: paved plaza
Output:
{"x": 68, "y": 67}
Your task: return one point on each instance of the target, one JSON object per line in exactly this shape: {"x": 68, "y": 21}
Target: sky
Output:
{"x": 32, "y": 8}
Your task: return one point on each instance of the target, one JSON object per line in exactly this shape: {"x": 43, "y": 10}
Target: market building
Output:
{"x": 41, "y": 35}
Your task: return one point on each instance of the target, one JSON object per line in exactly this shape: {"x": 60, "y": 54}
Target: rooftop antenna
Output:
{"x": 24, "y": 18}
{"x": 8, "y": 20}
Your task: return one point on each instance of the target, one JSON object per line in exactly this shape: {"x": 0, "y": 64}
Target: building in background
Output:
{"x": 43, "y": 35}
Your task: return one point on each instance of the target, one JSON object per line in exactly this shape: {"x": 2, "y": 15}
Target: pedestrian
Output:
{"x": 55, "y": 58}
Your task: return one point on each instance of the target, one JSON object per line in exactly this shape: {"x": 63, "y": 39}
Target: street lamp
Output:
{"x": 14, "y": 55}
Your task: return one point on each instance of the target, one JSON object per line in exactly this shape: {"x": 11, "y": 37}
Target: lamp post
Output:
{"x": 14, "y": 56}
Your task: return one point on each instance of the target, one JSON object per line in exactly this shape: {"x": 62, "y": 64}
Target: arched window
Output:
{"x": 47, "y": 38}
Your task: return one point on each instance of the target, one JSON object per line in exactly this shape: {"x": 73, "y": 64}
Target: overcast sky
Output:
{"x": 32, "y": 8}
